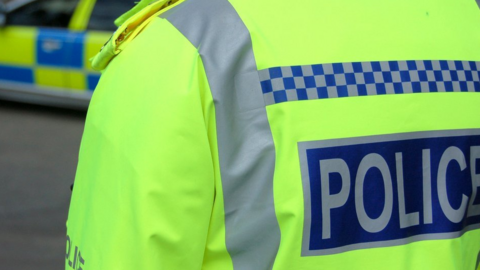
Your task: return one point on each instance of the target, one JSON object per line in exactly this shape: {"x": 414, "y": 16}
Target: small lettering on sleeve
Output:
{"x": 73, "y": 255}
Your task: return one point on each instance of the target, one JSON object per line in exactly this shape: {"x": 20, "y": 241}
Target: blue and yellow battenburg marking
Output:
{"x": 282, "y": 84}
{"x": 393, "y": 189}
{"x": 58, "y": 61}
{"x": 16, "y": 74}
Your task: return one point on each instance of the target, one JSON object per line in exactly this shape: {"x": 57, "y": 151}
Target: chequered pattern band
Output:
{"x": 281, "y": 84}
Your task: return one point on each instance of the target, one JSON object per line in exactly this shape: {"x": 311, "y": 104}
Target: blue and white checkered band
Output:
{"x": 281, "y": 84}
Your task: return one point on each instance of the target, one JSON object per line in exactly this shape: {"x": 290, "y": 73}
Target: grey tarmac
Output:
{"x": 38, "y": 156}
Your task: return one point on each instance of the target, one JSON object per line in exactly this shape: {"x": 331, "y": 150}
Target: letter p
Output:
{"x": 330, "y": 201}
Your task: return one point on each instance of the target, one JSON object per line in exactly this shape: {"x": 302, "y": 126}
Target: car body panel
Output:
{"x": 50, "y": 65}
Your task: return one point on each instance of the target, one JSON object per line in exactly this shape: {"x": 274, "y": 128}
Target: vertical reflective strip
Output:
{"x": 245, "y": 142}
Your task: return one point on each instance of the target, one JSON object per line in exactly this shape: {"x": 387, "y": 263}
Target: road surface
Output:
{"x": 38, "y": 156}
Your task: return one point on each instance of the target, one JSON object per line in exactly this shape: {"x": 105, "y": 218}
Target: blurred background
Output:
{"x": 46, "y": 84}
{"x": 38, "y": 155}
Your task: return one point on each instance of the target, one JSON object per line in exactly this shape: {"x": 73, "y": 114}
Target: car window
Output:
{"x": 45, "y": 13}
{"x": 106, "y": 11}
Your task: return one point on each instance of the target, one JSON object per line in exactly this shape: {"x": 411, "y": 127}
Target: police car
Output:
{"x": 45, "y": 47}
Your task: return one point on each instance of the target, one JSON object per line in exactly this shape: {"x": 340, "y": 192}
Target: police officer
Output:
{"x": 229, "y": 134}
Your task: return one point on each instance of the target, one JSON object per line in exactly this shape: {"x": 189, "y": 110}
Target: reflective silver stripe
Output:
{"x": 246, "y": 149}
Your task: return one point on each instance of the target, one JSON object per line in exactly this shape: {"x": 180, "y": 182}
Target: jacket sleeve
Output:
{"x": 144, "y": 187}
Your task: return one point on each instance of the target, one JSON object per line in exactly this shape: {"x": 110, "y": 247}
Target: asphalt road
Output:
{"x": 38, "y": 156}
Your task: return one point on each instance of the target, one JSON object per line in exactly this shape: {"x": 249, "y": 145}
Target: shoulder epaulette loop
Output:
{"x": 131, "y": 24}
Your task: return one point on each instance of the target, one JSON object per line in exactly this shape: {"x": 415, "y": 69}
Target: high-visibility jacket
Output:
{"x": 251, "y": 135}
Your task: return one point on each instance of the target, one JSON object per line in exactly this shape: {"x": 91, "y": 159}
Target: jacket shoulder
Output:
{"x": 130, "y": 25}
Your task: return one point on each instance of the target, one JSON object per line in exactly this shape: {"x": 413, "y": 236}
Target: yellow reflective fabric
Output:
{"x": 360, "y": 117}
{"x": 94, "y": 40}
{"x": 313, "y": 32}
{"x": 131, "y": 27}
{"x": 317, "y": 32}
{"x": 148, "y": 192}
{"x": 141, "y": 199}
{"x": 137, "y": 8}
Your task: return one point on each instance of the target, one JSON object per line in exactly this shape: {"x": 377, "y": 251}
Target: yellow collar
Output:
{"x": 130, "y": 25}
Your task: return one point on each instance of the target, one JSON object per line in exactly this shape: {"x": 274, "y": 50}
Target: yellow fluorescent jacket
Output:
{"x": 284, "y": 135}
